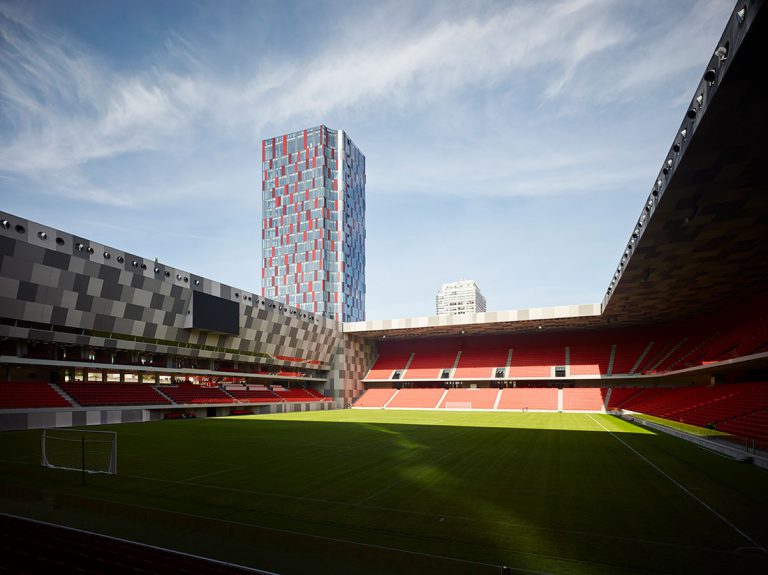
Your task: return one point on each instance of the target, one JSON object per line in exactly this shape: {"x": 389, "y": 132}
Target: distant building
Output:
{"x": 313, "y": 231}
{"x": 460, "y": 297}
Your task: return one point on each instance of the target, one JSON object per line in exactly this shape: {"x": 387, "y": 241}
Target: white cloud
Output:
{"x": 66, "y": 108}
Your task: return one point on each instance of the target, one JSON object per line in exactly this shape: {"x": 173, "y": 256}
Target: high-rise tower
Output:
{"x": 460, "y": 297}
{"x": 313, "y": 229}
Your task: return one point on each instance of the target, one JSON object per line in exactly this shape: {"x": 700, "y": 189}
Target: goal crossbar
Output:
{"x": 83, "y": 450}
{"x": 458, "y": 405}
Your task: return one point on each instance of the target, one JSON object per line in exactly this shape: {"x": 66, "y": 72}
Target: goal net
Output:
{"x": 458, "y": 405}
{"x": 79, "y": 450}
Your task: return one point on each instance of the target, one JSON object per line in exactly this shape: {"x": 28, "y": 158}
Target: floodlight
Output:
{"x": 722, "y": 52}
{"x": 740, "y": 15}
{"x": 710, "y": 75}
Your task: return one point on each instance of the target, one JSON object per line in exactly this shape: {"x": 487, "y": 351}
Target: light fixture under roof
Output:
{"x": 722, "y": 52}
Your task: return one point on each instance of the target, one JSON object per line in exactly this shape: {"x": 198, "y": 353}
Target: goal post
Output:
{"x": 458, "y": 405}
{"x": 79, "y": 450}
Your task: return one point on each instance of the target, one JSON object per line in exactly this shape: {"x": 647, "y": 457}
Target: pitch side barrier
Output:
{"x": 747, "y": 454}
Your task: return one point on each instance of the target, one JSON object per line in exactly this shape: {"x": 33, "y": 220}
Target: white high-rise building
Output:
{"x": 460, "y": 297}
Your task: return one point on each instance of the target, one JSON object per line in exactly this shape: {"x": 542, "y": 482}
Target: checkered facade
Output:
{"x": 353, "y": 358}
{"x": 60, "y": 288}
{"x": 313, "y": 229}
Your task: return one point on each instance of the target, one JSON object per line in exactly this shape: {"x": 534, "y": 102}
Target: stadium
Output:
{"x": 154, "y": 420}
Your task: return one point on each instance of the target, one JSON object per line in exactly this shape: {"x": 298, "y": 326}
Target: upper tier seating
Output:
{"x": 417, "y": 398}
{"x": 393, "y": 355}
{"x": 480, "y": 398}
{"x": 535, "y": 361}
{"x": 528, "y": 397}
{"x": 430, "y": 360}
{"x": 375, "y": 397}
{"x": 607, "y": 351}
{"x": 92, "y": 393}
{"x": 29, "y": 394}
{"x": 584, "y": 398}
{"x": 589, "y": 359}
{"x": 480, "y": 361}
{"x": 627, "y": 354}
{"x": 191, "y": 393}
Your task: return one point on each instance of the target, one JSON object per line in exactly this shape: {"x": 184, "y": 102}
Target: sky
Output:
{"x": 513, "y": 143}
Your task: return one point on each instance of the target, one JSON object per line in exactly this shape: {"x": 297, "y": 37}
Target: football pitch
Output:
{"x": 358, "y": 491}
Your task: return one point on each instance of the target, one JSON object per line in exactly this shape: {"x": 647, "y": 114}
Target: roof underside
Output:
{"x": 702, "y": 243}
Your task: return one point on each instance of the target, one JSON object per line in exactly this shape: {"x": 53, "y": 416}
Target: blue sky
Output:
{"x": 512, "y": 143}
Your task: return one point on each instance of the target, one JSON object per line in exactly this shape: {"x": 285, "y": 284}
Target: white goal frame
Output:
{"x": 458, "y": 405}
{"x": 82, "y": 437}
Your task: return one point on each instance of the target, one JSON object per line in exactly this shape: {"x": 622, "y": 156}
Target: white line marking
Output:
{"x": 139, "y": 544}
{"x": 313, "y": 536}
{"x": 196, "y": 477}
{"x": 427, "y": 514}
{"x": 681, "y": 486}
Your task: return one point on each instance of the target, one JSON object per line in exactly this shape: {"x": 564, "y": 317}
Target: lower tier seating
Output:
{"x": 92, "y": 394}
{"x": 584, "y": 398}
{"x": 29, "y": 394}
{"x": 297, "y": 394}
{"x": 252, "y": 393}
{"x": 375, "y": 397}
{"x": 417, "y": 398}
{"x": 191, "y": 393}
{"x": 479, "y": 398}
{"x": 528, "y": 398}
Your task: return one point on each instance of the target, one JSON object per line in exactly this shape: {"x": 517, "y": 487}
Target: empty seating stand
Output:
{"x": 375, "y": 397}
{"x": 89, "y": 394}
{"x": 481, "y": 362}
{"x": 392, "y": 356}
{"x": 535, "y": 361}
{"x": 478, "y": 398}
{"x": 294, "y": 394}
{"x": 536, "y": 398}
{"x": 417, "y": 398}
{"x": 252, "y": 393}
{"x": 187, "y": 393}
{"x": 30, "y": 395}
{"x": 589, "y": 359}
{"x": 584, "y": 398}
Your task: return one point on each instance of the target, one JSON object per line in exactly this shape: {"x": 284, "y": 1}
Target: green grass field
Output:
{"x": 354, "y": 491}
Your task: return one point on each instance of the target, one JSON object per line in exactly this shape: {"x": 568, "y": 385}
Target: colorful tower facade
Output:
{"x": 313, "y": 228}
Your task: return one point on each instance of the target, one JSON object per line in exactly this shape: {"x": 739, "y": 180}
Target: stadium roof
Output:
{"x": 700, "y": 241}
